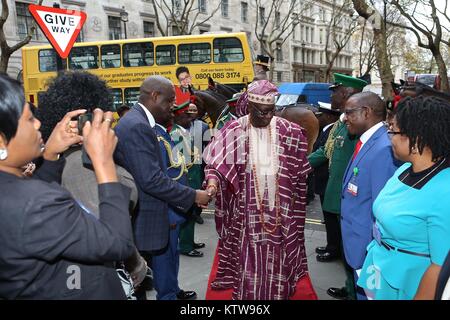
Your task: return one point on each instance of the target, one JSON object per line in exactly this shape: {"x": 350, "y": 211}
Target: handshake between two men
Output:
{"x": 204, "y": 197}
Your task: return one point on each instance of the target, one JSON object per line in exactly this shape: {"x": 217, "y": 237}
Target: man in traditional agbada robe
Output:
{"x": 257, "y": 169}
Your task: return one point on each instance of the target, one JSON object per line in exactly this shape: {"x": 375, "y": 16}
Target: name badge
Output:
{"x": 376, "y": 233}
{"x": 352, "y": 189}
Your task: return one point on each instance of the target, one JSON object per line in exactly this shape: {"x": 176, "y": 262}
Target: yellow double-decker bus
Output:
{"x": 124, "y": 64}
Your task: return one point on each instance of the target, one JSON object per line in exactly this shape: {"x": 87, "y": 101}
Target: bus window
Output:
{"x": 48, "y": 62}
{"x": 110, "y": 56}
{"x": 165, "y": 55}
{"x": 228, "y": 50}
{"x": 138, "y": 54}
{"x": 131, "y": 96}
{"x": 194, "y": 53}
{"x": 83, "y": 58}
{"x": 117, "y": 98}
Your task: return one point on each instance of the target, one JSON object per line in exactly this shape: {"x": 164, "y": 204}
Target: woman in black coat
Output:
{"x": 51, "y": 248}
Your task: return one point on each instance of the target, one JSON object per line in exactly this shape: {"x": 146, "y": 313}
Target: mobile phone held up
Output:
{"x": 81, "y": 122}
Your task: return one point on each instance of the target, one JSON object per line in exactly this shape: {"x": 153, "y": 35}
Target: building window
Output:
{"x": 279, "y": 53}
{"x": 149, "y": 29}
{"x": 202, "y": 31}
{"x": 321, "y": 36}
{"x": 244, "y": 12}
{"x": 294, "y": 34}
{"x": 302, "y": 33}
{"x": 277, "y": 19}
{"x": 225, "y": 8}
{"x": 279, "y": 76}
{"x": 321, "y": 57}
{"x": 307, "y": 34}
{"x": 202, "y": 6}
{"x": 175, "y": 31}
{"x": 262, "y": 16}
{"x": 115, "y": 28}
{"x": 25, "y": 21}
{"x": 312, "y": 35}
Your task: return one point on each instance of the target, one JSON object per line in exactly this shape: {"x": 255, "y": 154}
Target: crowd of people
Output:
{"x": 93, "y": 212}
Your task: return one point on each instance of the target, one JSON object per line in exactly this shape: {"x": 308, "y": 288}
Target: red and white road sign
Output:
{"x": 60, "y": 26}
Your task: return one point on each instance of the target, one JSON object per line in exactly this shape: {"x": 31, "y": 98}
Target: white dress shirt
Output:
{"x": 150, "y": 117}
{"x": 369, "y": 133}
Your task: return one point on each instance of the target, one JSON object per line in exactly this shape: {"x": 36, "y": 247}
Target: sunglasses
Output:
{"x": 264, "y": 113}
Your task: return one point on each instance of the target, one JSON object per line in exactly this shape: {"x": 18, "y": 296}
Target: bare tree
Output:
{"x": 395, "y": 40}
{"x": 272, "y": 30}
{"x": 340, "y": 30}
{"x": 6, "y": 49}
{"x": 378, "y": 24}
{"x": 424, "y": 22}
{"x": 366, "y": 50}
{"x": 181, "y": 14}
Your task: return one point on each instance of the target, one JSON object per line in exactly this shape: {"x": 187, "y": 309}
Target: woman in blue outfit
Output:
{"x": 412, "y": 212}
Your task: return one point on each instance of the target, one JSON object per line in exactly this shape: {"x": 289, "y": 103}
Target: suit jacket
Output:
{"x": 376, "y": 165}
{"x": 52, "y": 248}
{"x": 139, "y": 153}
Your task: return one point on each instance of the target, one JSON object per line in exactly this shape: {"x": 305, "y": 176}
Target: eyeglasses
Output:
{"x": 264, "y": 113}
{"x": 350, "y": 111}
{"x": 393, "y": 133}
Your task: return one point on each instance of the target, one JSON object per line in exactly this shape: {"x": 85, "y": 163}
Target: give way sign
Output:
{"x": 60, "y": 26}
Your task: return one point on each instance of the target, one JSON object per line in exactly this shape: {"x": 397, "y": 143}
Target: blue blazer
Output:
{"x": 139, "y": 153}
{"x": 375, "y": 164}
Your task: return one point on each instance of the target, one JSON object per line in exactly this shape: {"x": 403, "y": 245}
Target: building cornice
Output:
{"x": 73, "y": 3}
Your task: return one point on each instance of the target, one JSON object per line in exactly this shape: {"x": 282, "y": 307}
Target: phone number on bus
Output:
{"x": 218, "y": 75}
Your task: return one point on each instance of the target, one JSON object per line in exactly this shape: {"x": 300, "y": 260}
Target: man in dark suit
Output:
{"x": 327, "y": 117}
{"x": 370, "y": 167}
{"x": 139, "y": 153}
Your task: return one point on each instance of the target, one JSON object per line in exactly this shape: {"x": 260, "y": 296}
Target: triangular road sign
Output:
{"x": 60, "y": 26}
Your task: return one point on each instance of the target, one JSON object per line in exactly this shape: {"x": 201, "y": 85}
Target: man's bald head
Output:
{"x": 157, "y": 94}
{"x": 153, "y": 84}
{"x": 371, "y": 100}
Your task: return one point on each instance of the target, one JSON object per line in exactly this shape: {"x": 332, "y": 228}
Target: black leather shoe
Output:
{"x": 186, "y": 295}
{"x": 327, "y": 257}
{"x": 338, "y": 293}
{"x": 199, "y": 245}
{"x": 199, "y": 219}
{"x": 320, "y": 250}
{"x": 193, "y": 253}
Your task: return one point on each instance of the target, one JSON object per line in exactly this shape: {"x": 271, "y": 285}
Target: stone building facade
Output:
{"x": 300, "y": 58}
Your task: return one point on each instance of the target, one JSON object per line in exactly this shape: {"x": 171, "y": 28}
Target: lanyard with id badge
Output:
{"x": 352, "y": 186}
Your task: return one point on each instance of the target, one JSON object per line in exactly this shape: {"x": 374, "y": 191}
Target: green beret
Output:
{"x": 181, "y": 106}
{"x": 348, "y": 81}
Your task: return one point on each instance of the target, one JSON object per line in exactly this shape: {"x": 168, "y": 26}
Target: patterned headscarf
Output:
{"x": 262, "y": 92}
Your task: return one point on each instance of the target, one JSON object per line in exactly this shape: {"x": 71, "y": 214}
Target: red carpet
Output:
{"x": 304, "y": 290}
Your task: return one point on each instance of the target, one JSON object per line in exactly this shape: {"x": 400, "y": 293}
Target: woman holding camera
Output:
{"x": 51, "y": 248}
